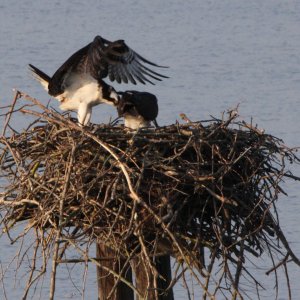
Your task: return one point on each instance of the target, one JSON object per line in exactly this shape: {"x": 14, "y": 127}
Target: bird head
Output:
{"x": 126, "y": 104}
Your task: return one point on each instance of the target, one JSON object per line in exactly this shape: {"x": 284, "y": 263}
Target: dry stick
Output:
{"x": 279, "y": 264}
{"x": 287, "y": 246}
{"x": 177, "y": 277}
{"x": 186, "y": 286}
{"x": 33, "y": 268}
{"x": 17, "y": 96}
{"x": 2, "y": 281}
{"x": 288, "y": 280}
{"x": 276, "y": 275}
{"x": 209, "y": 270}
{"x": 33, "y": 280}
{"x": 9, "y": 203}
{"x": 13, "y": 154}
{"x": 238, "y": 273}
{"x": 220, "y": 198}
{"x": 122, "y": 271}
{"x": 285, "y": 243}
{"x": 148, "y": 262}
{"x": 86, "y": 266}
{"x": 58, "y": 235}
{"x": 75, "y": 261}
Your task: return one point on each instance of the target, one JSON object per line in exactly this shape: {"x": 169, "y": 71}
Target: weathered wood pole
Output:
{"x": 145, "y": 283}
{"x": 106, "y": 281}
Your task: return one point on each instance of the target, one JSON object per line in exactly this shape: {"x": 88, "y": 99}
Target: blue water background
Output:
{"x": 220, "y": 54}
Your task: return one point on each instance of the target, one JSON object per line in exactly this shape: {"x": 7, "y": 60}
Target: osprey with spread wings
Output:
{"x": 78, "y": 84}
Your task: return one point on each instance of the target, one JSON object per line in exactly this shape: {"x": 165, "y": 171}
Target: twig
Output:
{"x": 7, "y": 119}
{"x": 61, "y": 215}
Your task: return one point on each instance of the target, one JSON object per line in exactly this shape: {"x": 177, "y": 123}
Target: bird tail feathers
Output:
{"x": 40, "y": 76}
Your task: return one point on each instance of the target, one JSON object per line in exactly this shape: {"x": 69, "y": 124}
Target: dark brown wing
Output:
{"x": 117, "y": 61}
{"x": 56, "y": 84}
{"x": 103, "y": 58}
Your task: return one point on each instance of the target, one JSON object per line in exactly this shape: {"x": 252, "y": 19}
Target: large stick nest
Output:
{"x": 177, "y": 189}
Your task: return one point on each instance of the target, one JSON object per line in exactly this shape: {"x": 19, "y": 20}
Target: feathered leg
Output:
{"x": 84, "y": 113}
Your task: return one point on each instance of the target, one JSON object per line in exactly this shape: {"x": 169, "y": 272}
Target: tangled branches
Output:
{"x": 201, "y": 192}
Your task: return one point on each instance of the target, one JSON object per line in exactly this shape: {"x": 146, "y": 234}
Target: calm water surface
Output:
{"x": 220, "y": 53}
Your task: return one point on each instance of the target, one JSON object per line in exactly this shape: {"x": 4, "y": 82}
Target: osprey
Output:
{"x": 137, "y": 108}
{"x": 78, "y": 84}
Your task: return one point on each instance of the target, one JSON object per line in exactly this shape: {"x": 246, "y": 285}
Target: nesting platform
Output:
{"x": 202, "y": 192}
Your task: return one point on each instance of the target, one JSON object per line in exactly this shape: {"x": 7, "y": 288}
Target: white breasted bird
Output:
{"x": 138, "y": 109}
{"x": 78, "y": 84}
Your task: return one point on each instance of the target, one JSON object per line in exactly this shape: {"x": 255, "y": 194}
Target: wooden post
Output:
{"x": 106, "y": 281}
{"x": 163, "y": 265}
{"x": 145, "y": 283}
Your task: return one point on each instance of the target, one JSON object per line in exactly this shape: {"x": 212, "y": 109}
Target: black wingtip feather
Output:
{"x": 149, "y": 62}
{"x": 39, "y": 73}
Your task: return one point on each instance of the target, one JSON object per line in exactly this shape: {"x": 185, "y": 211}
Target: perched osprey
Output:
{"x": 137, "y": 108}
{"x": 78, "y": 84}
